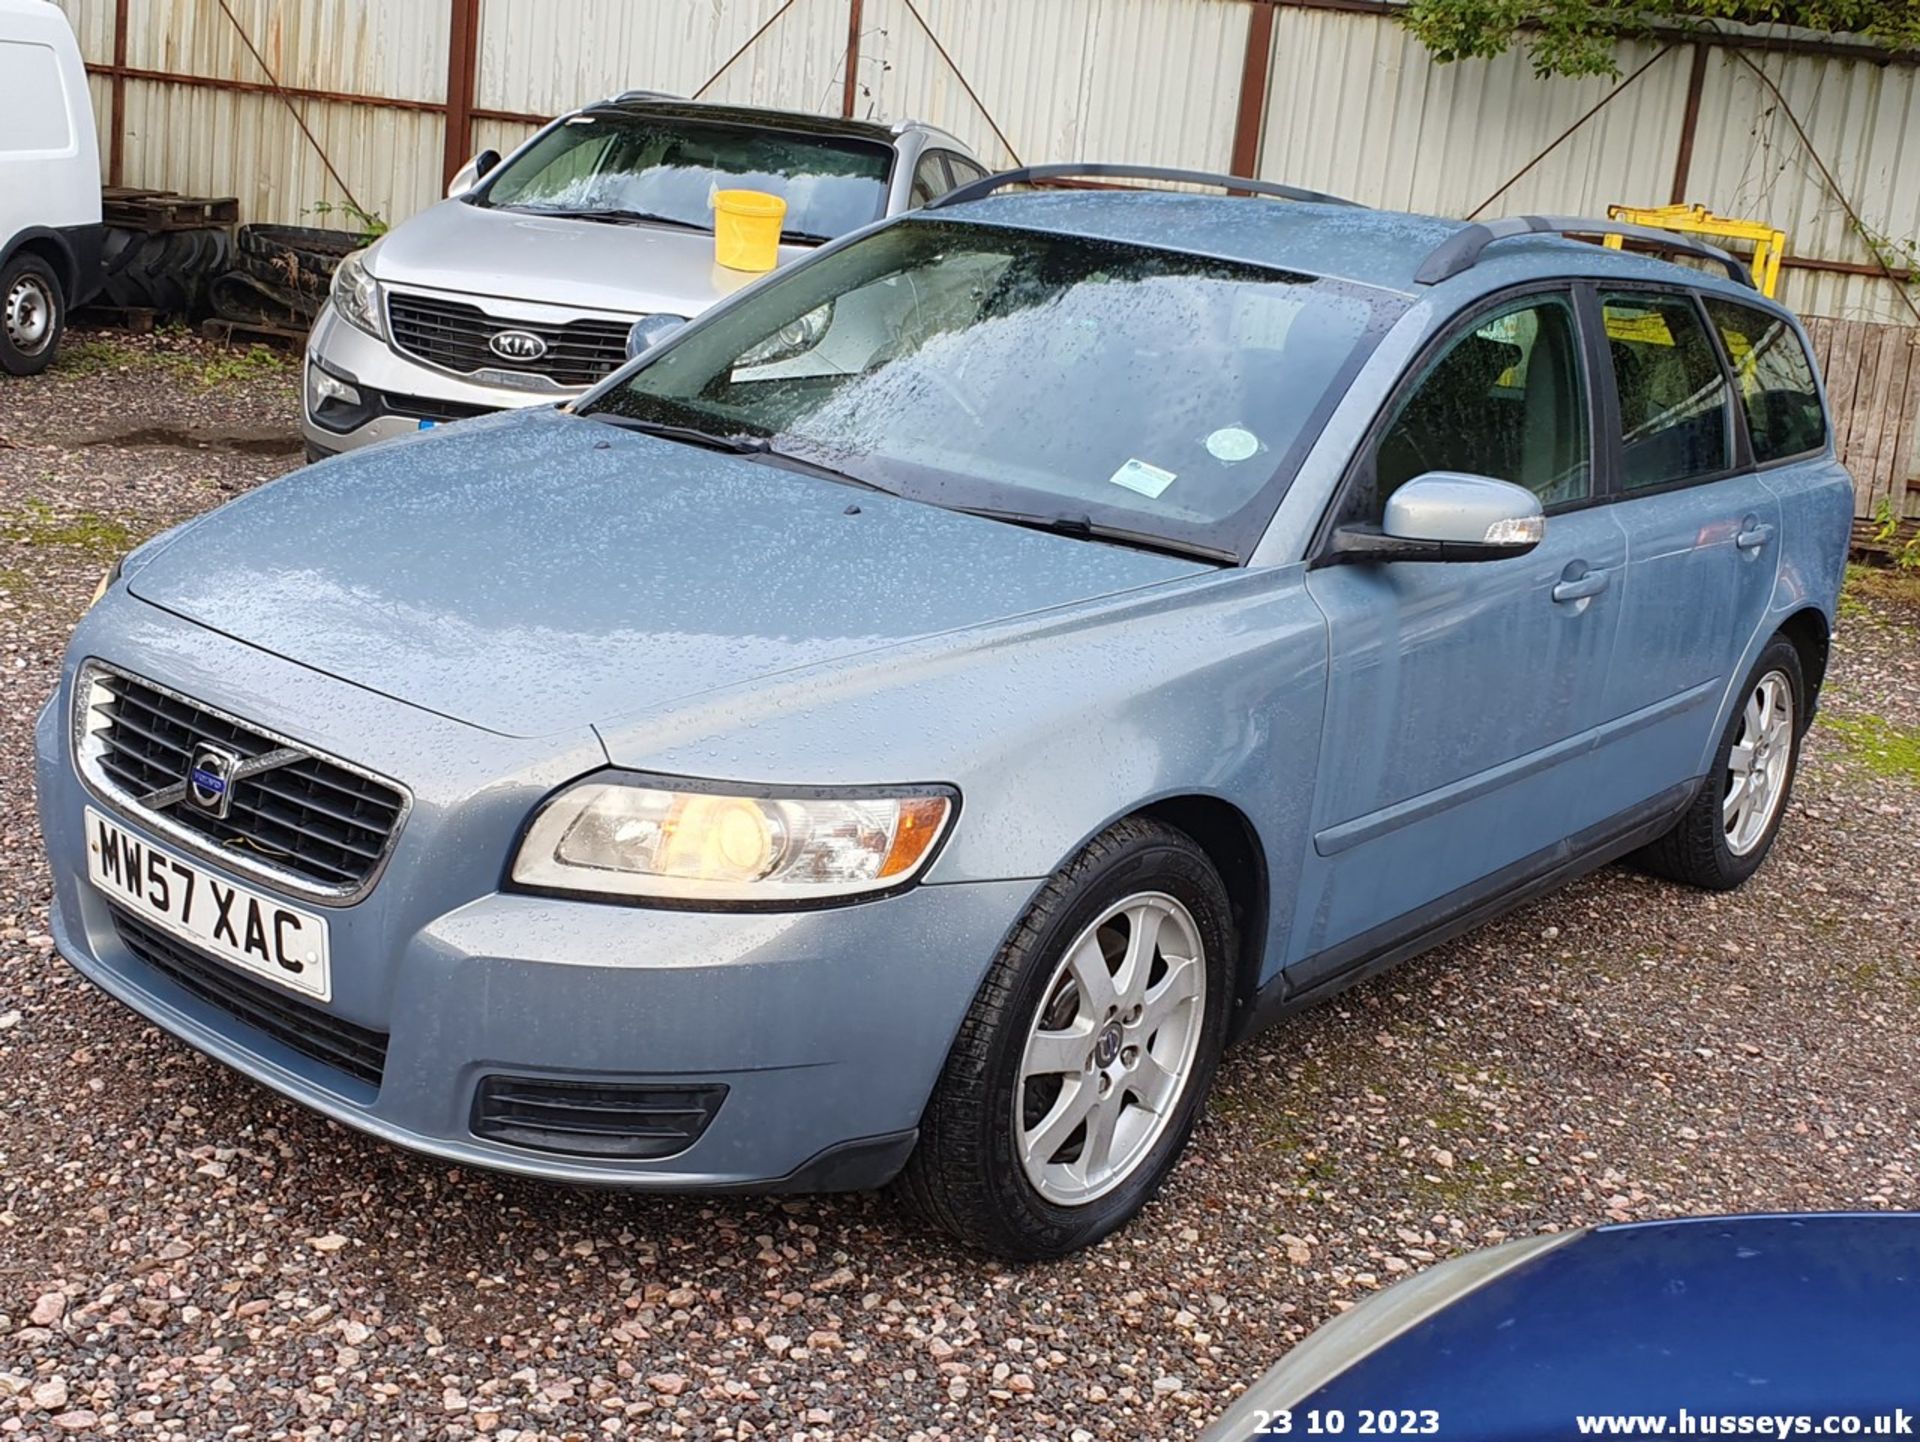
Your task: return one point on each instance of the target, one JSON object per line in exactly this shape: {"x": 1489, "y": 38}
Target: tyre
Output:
{"x": 1086, "y": 1057}
{"x": 33, "y": 315}
{"x": 297, "y": 257}
{"x": 167, "y": 272}
{"x": 1727, "y": 832}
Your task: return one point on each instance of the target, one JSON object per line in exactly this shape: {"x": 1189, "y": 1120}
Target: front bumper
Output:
{"x": 400, "y": 393}
{"x": 827, "y": 1028}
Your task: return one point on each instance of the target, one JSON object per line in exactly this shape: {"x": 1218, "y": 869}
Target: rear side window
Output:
{"x": 1775, "y": 380}
{"x": 36, "y": 101}
{"x": 1508, "y": 399}
{"x": 930, "y": 179}
{"x": 1676, "y": 418}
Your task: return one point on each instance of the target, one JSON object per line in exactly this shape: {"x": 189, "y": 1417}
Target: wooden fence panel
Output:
{"x": 1873, "y": 385}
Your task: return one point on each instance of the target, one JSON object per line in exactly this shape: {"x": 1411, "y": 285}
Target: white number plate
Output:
{"x": 256, "y": 933}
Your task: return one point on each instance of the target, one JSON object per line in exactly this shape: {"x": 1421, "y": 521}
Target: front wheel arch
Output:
{"x": 965, "y": 1173}
{"x": 51, "y": 247}
{"x": 1227, "y": 835}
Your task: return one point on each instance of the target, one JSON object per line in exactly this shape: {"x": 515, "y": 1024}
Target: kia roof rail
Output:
{"x": 1461, "y": 251}
{"x": 1033, "y": 174}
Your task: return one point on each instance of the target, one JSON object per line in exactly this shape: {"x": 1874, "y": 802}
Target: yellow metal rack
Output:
{"x": 1768, "y": 243}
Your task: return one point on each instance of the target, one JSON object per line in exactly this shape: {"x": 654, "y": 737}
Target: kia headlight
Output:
{"x": 655, "y": 840}
{"x": 792, "y": 339}
{"x": 356, "y": 295}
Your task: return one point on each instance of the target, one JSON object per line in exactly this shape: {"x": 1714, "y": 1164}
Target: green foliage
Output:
{"x": 38, "y": 524}
{"x": 1882, "y": 595}
{"x": 1575, "y": 37}
{"x": 202, "y": 365}
{"x": 370, "y": 223}
{"x": 1882, "y": 747}
{"x": 256, "y": 362}
{"x": 1887, "y": 523}
{"x": 95, "y": 355}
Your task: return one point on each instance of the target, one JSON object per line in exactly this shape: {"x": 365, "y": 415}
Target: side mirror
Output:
{"x": 649, "y": 331}
{"x": 1448, "y": 516}
{"x": 472, "y": 173}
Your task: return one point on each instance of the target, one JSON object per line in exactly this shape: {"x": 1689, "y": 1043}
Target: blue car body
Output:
{"x": 1375, "y": 756}
{"x": 1803, "y": 1320}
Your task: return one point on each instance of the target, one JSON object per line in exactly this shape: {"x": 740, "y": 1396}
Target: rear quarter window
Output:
{"x": 1775, "y": 380}
{"x": 36, "y": 101}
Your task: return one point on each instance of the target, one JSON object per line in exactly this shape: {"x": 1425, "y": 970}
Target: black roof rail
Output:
{"x": 1029, "y": 174}
{"x": 643, "y": 95}
{"x": 1461, "y": 251}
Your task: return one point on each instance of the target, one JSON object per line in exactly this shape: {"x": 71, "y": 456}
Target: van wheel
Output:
{"x": 1085, "y": 1060}
{"x": 1727, "y": 832}
{"x": 33, "y": 315}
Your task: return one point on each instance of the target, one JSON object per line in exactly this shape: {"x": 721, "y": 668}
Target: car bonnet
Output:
{"x": 537, "y": 572}
{"x": 625, "y": 268}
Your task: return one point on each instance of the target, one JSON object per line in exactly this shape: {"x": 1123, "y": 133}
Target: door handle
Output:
{"x": 1752, "y": 538}
{"x": 1581, "y": 587}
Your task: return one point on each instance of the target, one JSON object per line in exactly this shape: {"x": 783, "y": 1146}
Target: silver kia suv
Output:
{"x": 524, "y": 285}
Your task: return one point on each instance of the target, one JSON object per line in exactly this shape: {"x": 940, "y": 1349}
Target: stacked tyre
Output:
{"x": 263, "y": 274}
{"x": 167, "y": 272}
{"x": 280, "y": 274}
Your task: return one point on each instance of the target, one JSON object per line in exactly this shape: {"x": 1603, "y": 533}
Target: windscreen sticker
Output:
{"x": 1233, "y": 443}
{"x": 1137, "y": 475}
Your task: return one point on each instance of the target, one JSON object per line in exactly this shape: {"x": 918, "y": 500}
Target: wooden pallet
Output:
{"x": 237, "y": 332}
{"x": 159, "y": 210}
{"x": 138, "y": 319}
{"x": 1868, "y": 545}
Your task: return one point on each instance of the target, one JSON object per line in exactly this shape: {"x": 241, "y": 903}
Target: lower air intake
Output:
{"x": 623, "y": 1121}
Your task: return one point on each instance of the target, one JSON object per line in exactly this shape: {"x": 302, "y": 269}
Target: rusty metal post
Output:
{"x": 850, "y": 97}
{"x": 1253, "y": 91}
{"x": 463, "y": 63}
{"x": 1689, "y": 124}
{"x": 117, "y": 142}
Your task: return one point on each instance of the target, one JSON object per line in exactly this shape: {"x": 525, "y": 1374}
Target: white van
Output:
{"x": 50, "y": 231}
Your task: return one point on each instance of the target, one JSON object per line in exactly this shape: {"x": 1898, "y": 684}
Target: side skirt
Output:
{"x": 1314, "y": 979}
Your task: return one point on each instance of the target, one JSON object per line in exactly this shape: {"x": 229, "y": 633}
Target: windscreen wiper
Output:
{"x": 733, "y": 443}
{"x": 736, "y": 444}
{"x": 614, "y": 217}
{"x": 1085, "y": 528}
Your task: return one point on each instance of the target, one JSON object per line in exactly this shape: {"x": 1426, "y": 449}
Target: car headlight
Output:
{"x": 652, "y": 839}
{"x": 356, "y": 295}
{"x": 795, "y": 338}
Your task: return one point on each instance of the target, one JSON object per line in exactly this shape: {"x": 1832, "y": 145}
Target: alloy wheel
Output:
{"x": 1757, "y": 767}
{"x": 1111, "y": 1049}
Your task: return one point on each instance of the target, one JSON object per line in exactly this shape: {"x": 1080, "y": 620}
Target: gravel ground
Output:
{"x": 182, "y": 1254}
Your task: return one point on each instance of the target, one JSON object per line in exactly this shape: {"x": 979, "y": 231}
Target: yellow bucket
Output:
{"x": 746, "y": 229}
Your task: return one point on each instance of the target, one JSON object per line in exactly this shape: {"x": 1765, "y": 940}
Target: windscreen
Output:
{"x": 666, "y": 170}
{"x": 1166, "y": 394}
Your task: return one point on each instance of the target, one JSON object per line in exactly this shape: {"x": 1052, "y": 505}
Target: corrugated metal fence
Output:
{"x": 209, "y": 97}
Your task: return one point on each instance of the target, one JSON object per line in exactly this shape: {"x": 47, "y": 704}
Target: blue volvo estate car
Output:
{"x": 908, "y": 722}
